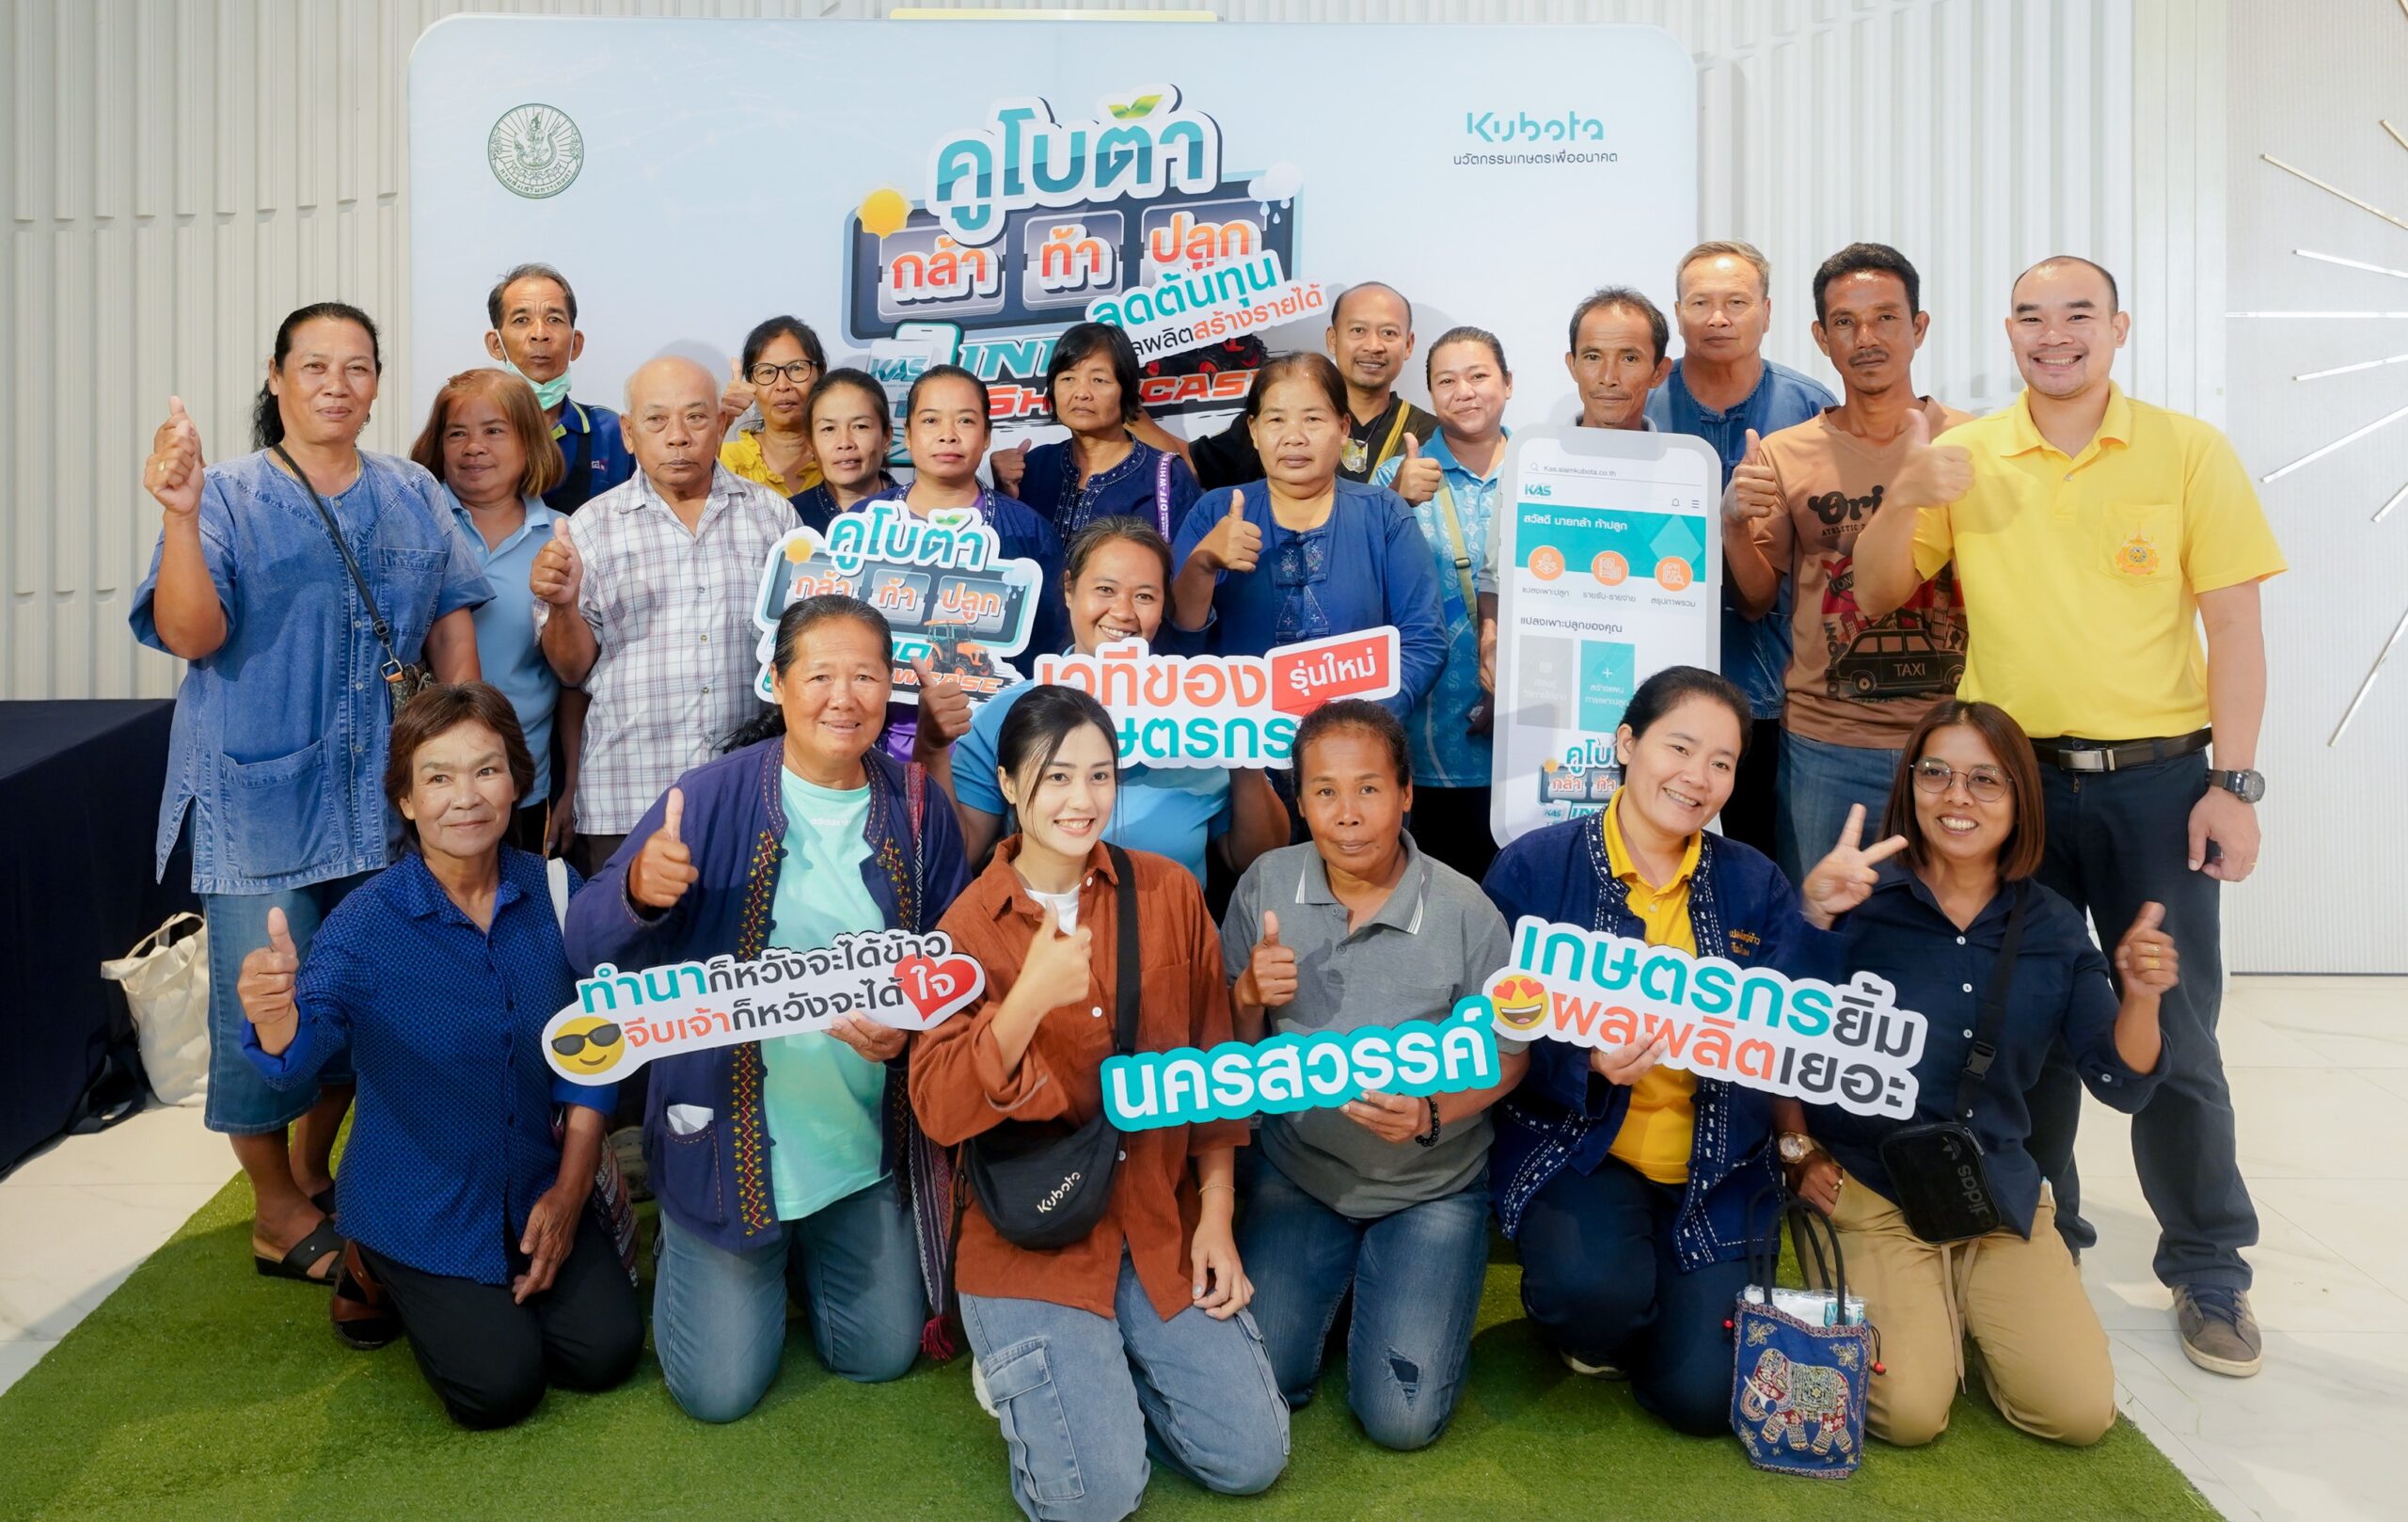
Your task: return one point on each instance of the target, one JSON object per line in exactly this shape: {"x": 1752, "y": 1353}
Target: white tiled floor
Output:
{"x": 2315, "y": 1065}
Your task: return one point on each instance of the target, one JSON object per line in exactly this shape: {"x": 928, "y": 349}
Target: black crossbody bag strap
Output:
{"x": 393, "y": 667}
{"x": 1984, "y": 1050}
{"x": 1126, "y": 983}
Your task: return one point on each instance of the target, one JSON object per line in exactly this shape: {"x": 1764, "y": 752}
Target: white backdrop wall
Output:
{"x": 179, "y": 173}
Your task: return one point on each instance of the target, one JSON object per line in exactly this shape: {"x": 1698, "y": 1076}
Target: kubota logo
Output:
{"x": 1522, "y": 127}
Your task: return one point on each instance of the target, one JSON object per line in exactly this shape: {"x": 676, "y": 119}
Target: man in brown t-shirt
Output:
{"x": 1856, "y": 686}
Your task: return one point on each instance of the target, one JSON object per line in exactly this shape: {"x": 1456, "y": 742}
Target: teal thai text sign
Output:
{"x": 1304, "y": 1070}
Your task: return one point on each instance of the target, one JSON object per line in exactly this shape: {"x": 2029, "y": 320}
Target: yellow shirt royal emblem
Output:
{"x": 2137, "y": 556}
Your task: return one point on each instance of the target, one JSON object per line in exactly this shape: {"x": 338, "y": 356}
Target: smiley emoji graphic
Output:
{"x": 588, "y": 1044}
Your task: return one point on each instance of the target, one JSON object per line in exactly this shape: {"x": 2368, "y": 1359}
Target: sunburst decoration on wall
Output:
{"x": 2398, "y": 630}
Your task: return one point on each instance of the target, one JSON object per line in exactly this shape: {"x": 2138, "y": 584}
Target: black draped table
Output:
{"x": 79, "y": 809}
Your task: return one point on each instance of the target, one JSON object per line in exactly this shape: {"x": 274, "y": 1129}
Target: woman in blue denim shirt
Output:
{"x": 1627, "y": 1183}
{"x": 280, "y": 724}
{"x": 1100, "y": 471}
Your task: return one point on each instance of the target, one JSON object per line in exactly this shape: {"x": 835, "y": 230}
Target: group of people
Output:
{"x": 411, "y": 682}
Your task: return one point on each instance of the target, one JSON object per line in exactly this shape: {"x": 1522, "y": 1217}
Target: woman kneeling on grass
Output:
{"x": 783, "y": 1165}
{"x": 1626, "y": 1182}
{"x": 1388, "y": 1195}
{"x": 1136, "y": 1335}
{"x": 438, "y": 976}
{"x": 1968, "y": 805}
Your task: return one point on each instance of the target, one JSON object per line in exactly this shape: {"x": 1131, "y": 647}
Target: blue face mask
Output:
{"x": 550, "y": 393}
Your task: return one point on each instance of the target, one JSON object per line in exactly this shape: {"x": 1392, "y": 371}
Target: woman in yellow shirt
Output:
{"x": 782, "y": 359}
{"x": 1626, "y": 1184}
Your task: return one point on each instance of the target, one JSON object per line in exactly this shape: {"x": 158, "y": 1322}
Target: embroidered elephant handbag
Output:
{"x": 1802, "y": 1357}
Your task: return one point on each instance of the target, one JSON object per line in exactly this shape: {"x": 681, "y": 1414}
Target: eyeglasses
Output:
{"x": 1986, "y": 784}
{"x": 576, "y": 1041}
{"x": 799, "y": 372}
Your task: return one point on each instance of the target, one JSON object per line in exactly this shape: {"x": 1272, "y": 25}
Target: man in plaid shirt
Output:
{"x": 662, "y": 571}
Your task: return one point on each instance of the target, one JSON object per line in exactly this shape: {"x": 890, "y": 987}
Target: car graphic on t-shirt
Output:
{"x": 1893, "y": 662}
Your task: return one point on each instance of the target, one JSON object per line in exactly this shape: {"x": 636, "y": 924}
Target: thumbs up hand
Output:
{"x": 1009, "y": 466}
{"x": 2145, "y": 957}
{"x": 265, "y": 985}
{"x": 172, "y": 474}
{"x": 945, "y": 708}
{"x": 1845, "y": 879}
{"x": 1234, "y": 544}
{"x": 664, "y": 869}
{"x": 1418, "y": 478}
{"x": 1754, "y": 491}
{"x": 1934, "y": 474}
{"x": 737, "y": 399}
{"x": 1057, "y": 967}
{"x": 1270, "y": 976}
{"x": 558, "y": 571}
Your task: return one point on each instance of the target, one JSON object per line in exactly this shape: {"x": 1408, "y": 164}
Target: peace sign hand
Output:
{"x": 173, "y": 472}
{"x": 1845, "y": 879}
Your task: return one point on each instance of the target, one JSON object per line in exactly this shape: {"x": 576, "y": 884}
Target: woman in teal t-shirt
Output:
{"x": 780, "y": 1164}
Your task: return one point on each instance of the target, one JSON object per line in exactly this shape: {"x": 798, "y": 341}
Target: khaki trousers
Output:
{"x": 2043, "y": 1353}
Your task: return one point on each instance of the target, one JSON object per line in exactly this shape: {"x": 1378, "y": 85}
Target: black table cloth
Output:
{"x": 79, "y": 808}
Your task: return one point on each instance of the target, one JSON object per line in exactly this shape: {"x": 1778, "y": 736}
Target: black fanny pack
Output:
{"x": 1046, "y": 1185}
{"x": 1936, "y": 1171}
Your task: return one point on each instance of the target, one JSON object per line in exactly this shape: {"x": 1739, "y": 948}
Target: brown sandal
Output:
{"x": 362, "y": 1308}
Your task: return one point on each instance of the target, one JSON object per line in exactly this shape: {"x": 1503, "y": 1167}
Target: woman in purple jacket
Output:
{"x": 785, "y": 1165}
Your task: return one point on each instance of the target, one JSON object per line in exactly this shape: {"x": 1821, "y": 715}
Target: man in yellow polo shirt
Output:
{"x": 2093, "y": 536}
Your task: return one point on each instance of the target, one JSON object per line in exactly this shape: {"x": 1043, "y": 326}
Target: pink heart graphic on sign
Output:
{"x": 937, "y": 988}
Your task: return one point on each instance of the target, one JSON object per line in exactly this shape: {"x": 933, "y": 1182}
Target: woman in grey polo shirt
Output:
{"x": 1389, "y": 1194}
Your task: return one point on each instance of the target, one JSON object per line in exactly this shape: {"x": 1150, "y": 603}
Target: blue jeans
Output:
{"x": 1085, "y": 1398}
{"x": 1416, "y": 1277}
{"x": 719, "y": 1317}
{"x": 1819, "y": 782}
{"x": 1602, "y": 1278}
{"x": 240, "y": 1102}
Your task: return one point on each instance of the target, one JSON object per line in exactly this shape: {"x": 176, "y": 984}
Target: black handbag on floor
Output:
{"x": 1042, "y": 1186}
{"x": 1936, "y": 1168}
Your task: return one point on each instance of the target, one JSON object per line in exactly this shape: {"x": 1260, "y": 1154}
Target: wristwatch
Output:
{"x": 1430, "y": 1138}
{"x": 1797, "y": 1146}
{"x": 2248, "y": 786}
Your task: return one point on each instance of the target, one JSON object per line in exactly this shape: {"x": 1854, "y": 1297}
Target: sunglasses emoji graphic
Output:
{"x": 589, "y": 1045}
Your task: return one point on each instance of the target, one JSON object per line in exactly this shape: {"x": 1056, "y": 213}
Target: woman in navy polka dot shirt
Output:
{"x": 462, "y": 1205}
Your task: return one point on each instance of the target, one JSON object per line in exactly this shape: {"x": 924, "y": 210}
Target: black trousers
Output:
{"x": 489, "y": 1359}
{"x": 1451, "y": 825}
{"x": 2119, "y": 840}
{"x": 1750, "y": 814}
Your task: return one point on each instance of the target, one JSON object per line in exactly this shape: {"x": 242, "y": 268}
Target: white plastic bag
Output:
{"x": 166, "y": 985}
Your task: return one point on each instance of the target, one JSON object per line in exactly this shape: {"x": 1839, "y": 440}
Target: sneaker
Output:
{"x": 2217, "y": 1332}
{"x": 1591, "y": 1370}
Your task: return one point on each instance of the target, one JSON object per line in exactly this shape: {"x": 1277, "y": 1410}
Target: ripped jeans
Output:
{"x": 1416, "y": 1277}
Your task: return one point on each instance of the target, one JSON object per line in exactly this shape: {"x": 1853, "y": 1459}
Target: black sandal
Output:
{"x": 323, "y": 1241}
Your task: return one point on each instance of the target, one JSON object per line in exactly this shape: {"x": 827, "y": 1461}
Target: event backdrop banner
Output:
{"x": 1207, "y": 187}
{"x": 1610, "y": 569}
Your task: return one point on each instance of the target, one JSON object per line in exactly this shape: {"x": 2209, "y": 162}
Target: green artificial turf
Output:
{"x": 199, "y": 1389}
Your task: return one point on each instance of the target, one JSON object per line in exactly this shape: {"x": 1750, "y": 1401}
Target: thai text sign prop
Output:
{"x": 1225, "y": 710}
{"x": 1302, "y": 1071}
{"x": 1849, "y": 1045}
{"x": 942, "y": 581}
{"x": 622, "y": 1021}
{"x": 1199, "y": 185}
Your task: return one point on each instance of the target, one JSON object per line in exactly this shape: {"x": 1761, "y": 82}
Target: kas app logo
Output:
{"x": 1521, "y": 127}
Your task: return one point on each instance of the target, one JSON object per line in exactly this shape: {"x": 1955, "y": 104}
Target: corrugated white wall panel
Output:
{"x": 179, "y": 173}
